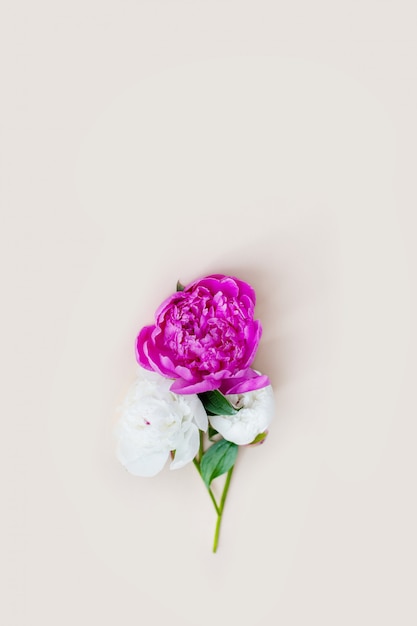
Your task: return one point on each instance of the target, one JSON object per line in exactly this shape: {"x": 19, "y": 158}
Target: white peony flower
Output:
{"x": 256, "y": 412}
{"x": 154, "y": 422}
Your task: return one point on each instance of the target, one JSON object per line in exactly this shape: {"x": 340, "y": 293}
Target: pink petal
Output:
{"x": 181, "y": 386}
{"x": 141, "y": 341}
{"x": 158, "y": 362}
{"x": 253, "y": 335}
{"x": 242, "y": 384}
{"x": 184, "y": 373}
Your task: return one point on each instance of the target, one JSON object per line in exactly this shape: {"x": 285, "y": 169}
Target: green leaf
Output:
{"x": 216, "y": 403}
{"x": 180, "y": 287}
{"x": 212, "y": 432}
{"x": 218, "y": 460}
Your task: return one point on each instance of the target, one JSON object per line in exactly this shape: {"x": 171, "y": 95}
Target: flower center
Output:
{"x": 205, "y": 332}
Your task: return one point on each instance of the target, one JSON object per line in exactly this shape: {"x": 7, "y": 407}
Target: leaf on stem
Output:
{"x": 218, "y": 460}
{"x": 212, "y": 432}
{"x": 216, "y": 403}
{"x": 180, "y": 287}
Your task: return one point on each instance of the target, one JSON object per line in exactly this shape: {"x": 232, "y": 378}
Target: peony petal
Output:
{"x": 187, "y": 447}
{"x": 229, "y": 287}
{"x": 181, "y": 386}
{"x": 256, "y": 413}
{"x": 184, "y": 373}
{"x": 248, "y": 303}
{"x": 249, "y": 382}
{"x": 142, "y": 464}
{"x": 220, "y": 374}
{"x": 141, "y": 341}
{"x": 240, "y": 433}
{"x": 210, "y": 283}
{"x": 156, "y": 361}
{"x": 167, "y": 363}
{"x": 252, "y": 335}
{"x": 199, "y": 412}
{"x": 195, "y": 283}
{"x": 166, "y": 304}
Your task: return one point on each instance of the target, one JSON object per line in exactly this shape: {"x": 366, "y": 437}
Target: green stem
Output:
{"x": 221, "y": 507}
{"x": 211, "y": 494}
{"x": 201, "y": 449}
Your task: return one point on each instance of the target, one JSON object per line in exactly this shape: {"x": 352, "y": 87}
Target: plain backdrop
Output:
{"x": 144, "y": 142}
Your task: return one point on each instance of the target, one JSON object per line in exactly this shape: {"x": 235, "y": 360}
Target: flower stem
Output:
{"x": 201, "y": 449}
{"x": 221, "y": 507}
{"x": 218, "y": 507}
{"x": 211, "y": 494}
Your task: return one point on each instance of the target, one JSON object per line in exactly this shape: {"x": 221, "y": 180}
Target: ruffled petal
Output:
{"x": 165, "y": 306}
{"x": 253, "y": 335}
{"x": 250, "y": 381}
{"x": 183, "y": 372}
{"x": 187, "y": 447}
{"x": 182, "y": 386}
{"x": 159, "y": 363}
{"x": 256, "y": 413}
{"x": 141, "y": 342}
{"x": 140, "y": 463}
{"x": 240, "y": 433}
{"x": 198, "y": 411}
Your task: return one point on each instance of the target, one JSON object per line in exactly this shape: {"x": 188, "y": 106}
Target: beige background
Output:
{"x": 145, "y": 142}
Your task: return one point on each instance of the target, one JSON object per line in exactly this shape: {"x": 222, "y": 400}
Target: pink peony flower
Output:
{"x": 205, "y": 338}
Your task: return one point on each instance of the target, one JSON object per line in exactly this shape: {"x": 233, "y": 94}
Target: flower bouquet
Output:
{"x": 196, "y": 397}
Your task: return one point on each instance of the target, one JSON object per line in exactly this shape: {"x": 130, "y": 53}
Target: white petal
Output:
{"x": 240, "y": 433}
{"x": 254, "y": 417}
{"x": 145, "y": 465}
{"x": 199, "y": 412}
{"x": 187, "y": 447}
